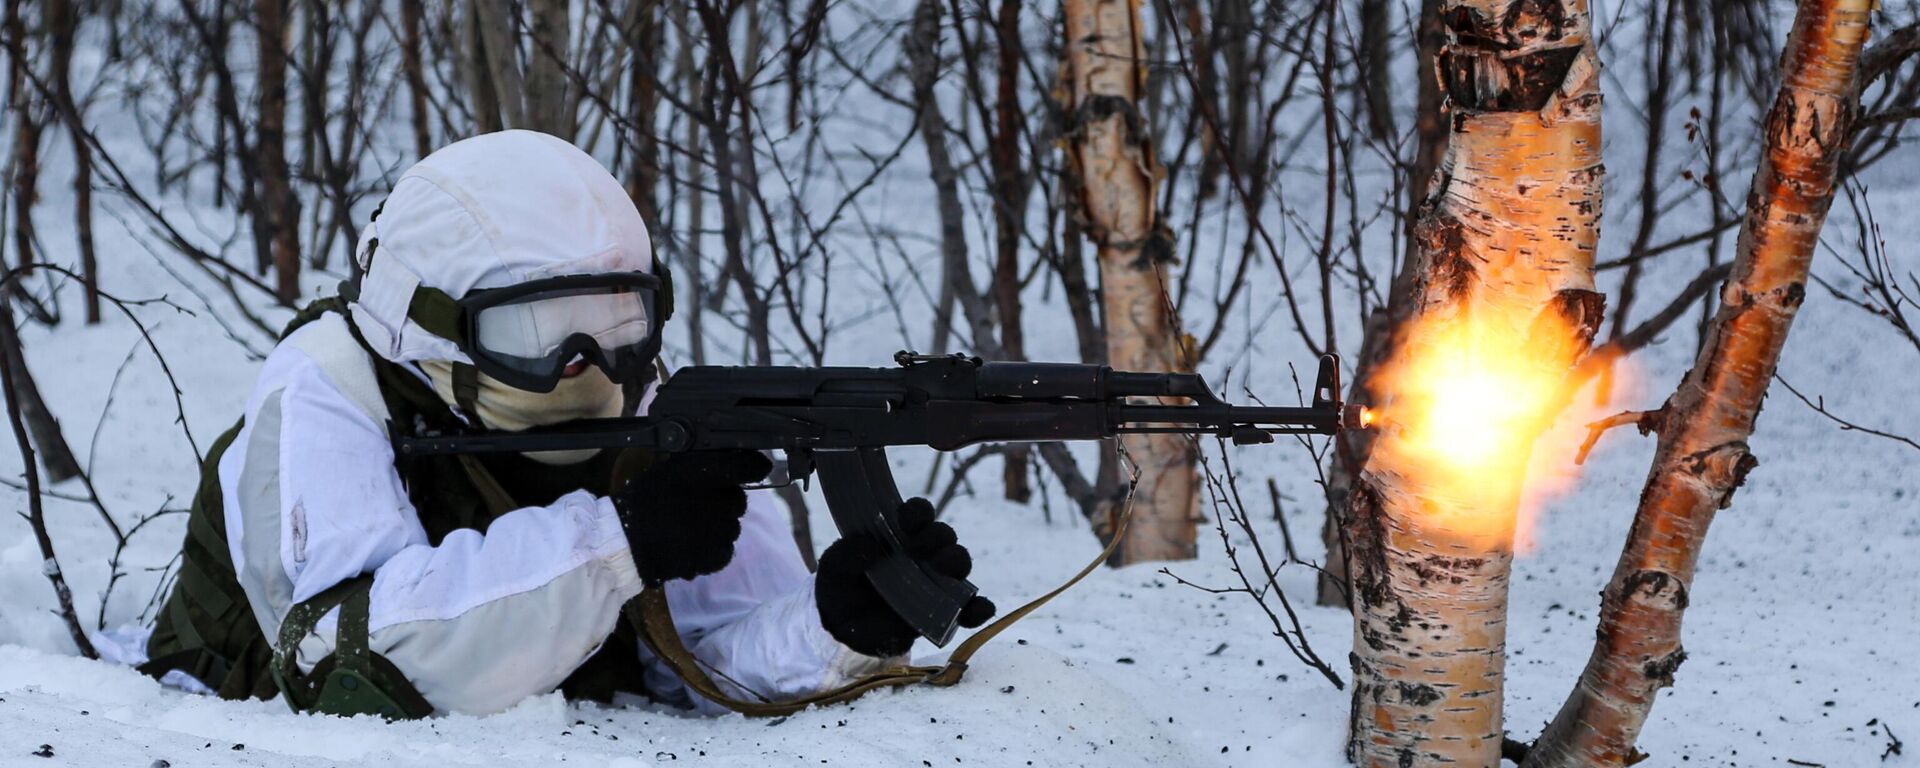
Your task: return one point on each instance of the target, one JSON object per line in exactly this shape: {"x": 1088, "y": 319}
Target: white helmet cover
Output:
{"x": 488, "y": 212}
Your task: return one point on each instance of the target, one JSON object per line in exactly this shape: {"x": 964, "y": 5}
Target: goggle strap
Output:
{"x": 466, "y": 391}
{"x": 436, "y": 313}
{"x": 663, "y": 298}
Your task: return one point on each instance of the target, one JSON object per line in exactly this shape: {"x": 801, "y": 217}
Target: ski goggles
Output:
{"x": 528, "y": 335}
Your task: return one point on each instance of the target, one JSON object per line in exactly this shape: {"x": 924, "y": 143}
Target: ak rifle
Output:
{"x": 840, "y": 421}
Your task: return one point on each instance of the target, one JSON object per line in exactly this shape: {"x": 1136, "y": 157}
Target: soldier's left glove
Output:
{"x": 853, "y": 611}
{"x": 682, "y": 514}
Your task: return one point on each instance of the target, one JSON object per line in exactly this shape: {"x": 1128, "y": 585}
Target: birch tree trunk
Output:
{"x": 1110, "y": 155}
{"x": 23, "y": 396}
{"x": 1702, "y": 455}
{"x": 1372, "y": 59}
{"x": 411, "y": 22}
{"x": 1502, "y": 305}
{"x": 922, "y": 49}
{"x": 1011, "y": 188}
{"x": 689, "y": 179}
{"x": 643, "y": 32}
{"x": 494, "y": 27}
{"x": 476, "y": 72}
{"x": 547, "y": 98}
{"x": 278, "y": 211}
{"x": 24, "y": 165}
{"x": 63, "y": 22}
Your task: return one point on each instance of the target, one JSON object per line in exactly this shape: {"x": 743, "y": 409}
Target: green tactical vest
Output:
{"x": 207, "y": 629}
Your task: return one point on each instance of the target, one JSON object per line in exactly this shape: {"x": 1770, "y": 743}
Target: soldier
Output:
{"x": 508, "y": 282}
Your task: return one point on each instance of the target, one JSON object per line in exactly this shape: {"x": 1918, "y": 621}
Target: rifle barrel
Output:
{"x": 1204, "y": 418}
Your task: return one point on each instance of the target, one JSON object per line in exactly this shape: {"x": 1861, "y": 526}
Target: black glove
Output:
{"x": 682, "y": 513}
{"x": 853, "y": 611}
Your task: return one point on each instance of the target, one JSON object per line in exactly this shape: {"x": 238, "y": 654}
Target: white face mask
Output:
{"x": 590, "y": 395}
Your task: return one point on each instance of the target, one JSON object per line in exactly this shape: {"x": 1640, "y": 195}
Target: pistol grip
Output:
{"x": 864, "y": 501}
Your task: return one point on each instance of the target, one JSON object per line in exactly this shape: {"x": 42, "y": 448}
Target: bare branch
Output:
{"x": 1819, "y": 406}
{"x": 1649, "y": 329}
{"x": 36, "y": 513}
{"x": 1645, "y": 421}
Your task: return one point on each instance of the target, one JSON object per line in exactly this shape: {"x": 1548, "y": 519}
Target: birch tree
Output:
{"x": 23, "y": 164}
{"x": 1110, "y": 156}
{"x": 506, "y": 92}
{"x": 1702, "y": 455}
{"x": 279, "y": 212}
{"x": 63, "y": 23}
{"x": 547, "y": 89}
{"x": 412, "y": 21}
{"x": 1502, "y": 306}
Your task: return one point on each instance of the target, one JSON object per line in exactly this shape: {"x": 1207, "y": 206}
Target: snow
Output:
{"x": 1073, "y": 711}
{"x": 1800, "y": 632}
{"x": 1804, "y": 597}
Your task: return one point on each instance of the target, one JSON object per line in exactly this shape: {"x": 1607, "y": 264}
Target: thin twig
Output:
{"x": 1228, "y": 507}
{"x": 21, "y": 485}
{"x": 1819, "y": 405}
{"x": 126, "y": 308}
{"x": 1280, "y": 516}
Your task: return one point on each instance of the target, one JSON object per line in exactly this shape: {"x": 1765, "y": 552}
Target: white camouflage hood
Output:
{"x": 487, "y": 212}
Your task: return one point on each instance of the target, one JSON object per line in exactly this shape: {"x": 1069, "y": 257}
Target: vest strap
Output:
{"x": 294, "y": 627}
{"x": 350, "y": 632}
{"x": 200, "y": 586}
{"x": 182, "y": 618}
{"x": 353, "y": 680}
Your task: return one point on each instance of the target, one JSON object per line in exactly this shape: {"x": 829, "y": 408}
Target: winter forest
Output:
{"x": 1556, "y": 248}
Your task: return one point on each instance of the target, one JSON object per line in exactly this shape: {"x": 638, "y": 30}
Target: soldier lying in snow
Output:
{"x": 508, "y": 283}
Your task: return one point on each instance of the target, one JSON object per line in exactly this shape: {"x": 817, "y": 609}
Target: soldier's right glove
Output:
{"x": 682, "y": 513}
{"x": 853, "y": 611}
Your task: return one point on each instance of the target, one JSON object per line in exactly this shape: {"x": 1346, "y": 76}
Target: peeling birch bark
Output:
{"x": 1505, "y": 247}
{"x": 1110, "y": 154}
{"x": 1702, "y": 455}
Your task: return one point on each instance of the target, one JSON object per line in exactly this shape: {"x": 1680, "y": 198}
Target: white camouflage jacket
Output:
{"x": 481, "y": 621}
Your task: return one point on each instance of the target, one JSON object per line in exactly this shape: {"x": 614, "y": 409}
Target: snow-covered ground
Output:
{"x": 1801, "y": 633}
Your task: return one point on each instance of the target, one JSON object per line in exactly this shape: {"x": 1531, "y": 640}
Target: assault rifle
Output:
{"x": 840, "y": 421}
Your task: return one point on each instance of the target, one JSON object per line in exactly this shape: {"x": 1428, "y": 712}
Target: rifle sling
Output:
{"x": 649, "y": 612}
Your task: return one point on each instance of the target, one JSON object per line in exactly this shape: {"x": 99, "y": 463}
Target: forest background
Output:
{"x": 832, "y": 181}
